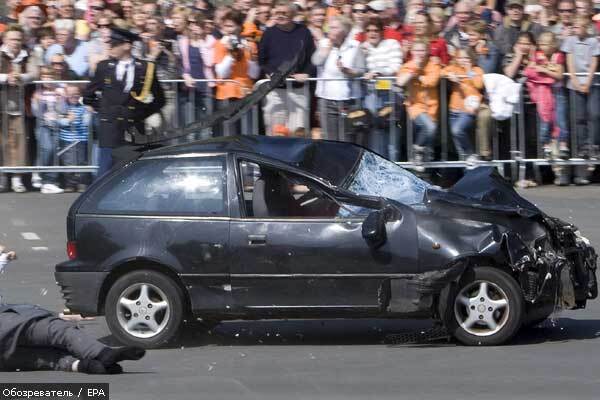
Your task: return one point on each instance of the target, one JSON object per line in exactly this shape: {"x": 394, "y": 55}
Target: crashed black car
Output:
{"x": 259, "y": 227}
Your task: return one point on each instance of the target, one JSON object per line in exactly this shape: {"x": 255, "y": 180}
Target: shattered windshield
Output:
{"x": 376, "y": 176}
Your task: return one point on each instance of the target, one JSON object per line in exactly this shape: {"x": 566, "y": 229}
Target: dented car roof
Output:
{"x": 329, "y": 160}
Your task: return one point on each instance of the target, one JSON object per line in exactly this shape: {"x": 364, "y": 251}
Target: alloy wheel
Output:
{"x": 481, "y": 308}
{"x": 143, "y": 310}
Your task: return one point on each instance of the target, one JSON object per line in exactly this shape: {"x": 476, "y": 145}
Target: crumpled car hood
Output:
{"x": 483, "y": 188}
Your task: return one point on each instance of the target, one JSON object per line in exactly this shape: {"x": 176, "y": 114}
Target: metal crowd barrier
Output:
{"x": 183, "y": 106}
{"x": 571, "y": 116}
{"x": 395, "y": 149}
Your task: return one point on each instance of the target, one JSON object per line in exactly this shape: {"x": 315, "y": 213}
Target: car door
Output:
{"x": 313, "y": 259}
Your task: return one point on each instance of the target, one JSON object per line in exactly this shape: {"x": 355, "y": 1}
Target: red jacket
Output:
{"x": 437, "y": 48}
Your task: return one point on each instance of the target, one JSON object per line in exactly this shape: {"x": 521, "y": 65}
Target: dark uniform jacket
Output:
{"x": 14, "y": 318}
{"x": 119, "y": 111}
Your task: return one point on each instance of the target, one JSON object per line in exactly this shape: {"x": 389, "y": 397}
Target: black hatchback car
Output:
{"x": 258, "y": 227}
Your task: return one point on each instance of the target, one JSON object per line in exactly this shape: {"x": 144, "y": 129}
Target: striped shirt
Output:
{"x": 385, "y": 59}
{"x": 76, "y": 130}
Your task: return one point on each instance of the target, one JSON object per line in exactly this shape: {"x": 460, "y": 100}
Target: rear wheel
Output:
{"x": 144, "y": 308}
{"x": 487, "y": 309}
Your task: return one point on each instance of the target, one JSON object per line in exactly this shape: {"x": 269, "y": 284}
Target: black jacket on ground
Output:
{"x": 14, "y": 319}
{"x": 117, "y": 110}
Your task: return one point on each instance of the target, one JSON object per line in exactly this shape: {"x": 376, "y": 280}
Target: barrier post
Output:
{"x": 444, "y": 117}
{"x": 393, "y": 143}
{"x": 308, "y": 99}
{"x": 521, "y": 134}
{"x": 4, "y": 133}
{"x": 409, "y": 138}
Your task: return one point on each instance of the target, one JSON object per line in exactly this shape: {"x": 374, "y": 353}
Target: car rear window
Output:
{"x": 171, "y": 186}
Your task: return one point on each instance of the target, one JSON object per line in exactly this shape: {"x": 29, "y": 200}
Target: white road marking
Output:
{"x": 30, "y": 236}
{"x": 40, "y": 248}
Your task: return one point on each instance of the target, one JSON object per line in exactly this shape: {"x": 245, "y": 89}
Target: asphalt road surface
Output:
{"x": 331, "y": 359}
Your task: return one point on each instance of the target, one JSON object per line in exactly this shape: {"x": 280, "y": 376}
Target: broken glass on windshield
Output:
{"x": 376, "y": 176}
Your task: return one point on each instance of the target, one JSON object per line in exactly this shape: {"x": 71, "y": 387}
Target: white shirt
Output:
{"x": 351, "y": 56}
{"x": 126, "y": 66}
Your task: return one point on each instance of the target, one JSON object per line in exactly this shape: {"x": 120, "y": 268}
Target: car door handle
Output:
{"x": 257, "y": 240}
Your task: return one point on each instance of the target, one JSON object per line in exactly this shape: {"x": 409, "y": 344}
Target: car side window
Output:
{"x": 273, "y": 193}
{"x": 170, "y": 186}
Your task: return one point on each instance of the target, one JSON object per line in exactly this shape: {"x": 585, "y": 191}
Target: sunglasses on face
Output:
{"x": 359, "y": 10}
{"x": 100, "y": 26}
{"x": 97, "y": 8}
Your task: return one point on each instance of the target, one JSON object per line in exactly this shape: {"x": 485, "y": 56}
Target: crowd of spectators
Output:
{"x": 551, "y": 46}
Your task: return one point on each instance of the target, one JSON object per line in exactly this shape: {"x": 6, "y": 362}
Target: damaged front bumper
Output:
{"x": 558, "y": 271}
{"x": 578, "y": 281}
{"x": 560, "y": 267}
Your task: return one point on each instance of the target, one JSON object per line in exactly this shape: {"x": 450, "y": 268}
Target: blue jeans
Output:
{"x": 425, "y": 129}
{"x": 76, "y": 155}
{"x": 104, "y": 161}
{"x": 545, "y": 132}
{"x": 46, "y": 152}
{"x": 587, "y": 115}
{"x": 562, "y": 118}
{"x": 562, "y": 112}
{"x": 380, "y": 136}
{"x": 461, "y": 127}
{"x": 192, "y": 106}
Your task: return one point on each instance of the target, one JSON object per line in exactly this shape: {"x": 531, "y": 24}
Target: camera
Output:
{"x": 235, "y": 43}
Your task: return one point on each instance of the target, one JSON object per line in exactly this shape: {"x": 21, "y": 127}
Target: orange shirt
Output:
{"x": 239, "y": 73}
{"x": 472, "y": 86}
{"x": 423, "y": 94}
{"x": 331, "y": 12}
{"x": 251, "y": 31}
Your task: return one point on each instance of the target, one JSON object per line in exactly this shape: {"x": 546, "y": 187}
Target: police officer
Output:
{"x": 32, "y": 338}
{"x": 124, "y": 92}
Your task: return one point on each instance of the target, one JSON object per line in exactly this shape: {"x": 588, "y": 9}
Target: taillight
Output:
{"x": 72, "y": 250}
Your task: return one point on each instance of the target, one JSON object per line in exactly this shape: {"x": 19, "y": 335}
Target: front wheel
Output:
{"x": 144, "y": 308}
{"x": 487, "y": 309}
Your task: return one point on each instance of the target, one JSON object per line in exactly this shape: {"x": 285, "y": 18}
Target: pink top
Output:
{"x": 206, "y": 50}
{"x": 540, "y": 88}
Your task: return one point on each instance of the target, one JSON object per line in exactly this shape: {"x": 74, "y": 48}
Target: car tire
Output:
{"x": 144, "y": 308}
{"x": 534, "y": 323}
{"x": 487, "y": 308}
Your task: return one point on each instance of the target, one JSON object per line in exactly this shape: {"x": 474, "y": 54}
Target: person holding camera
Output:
{"x": 35, "y": 339}
{"x": 236, "y": 59}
